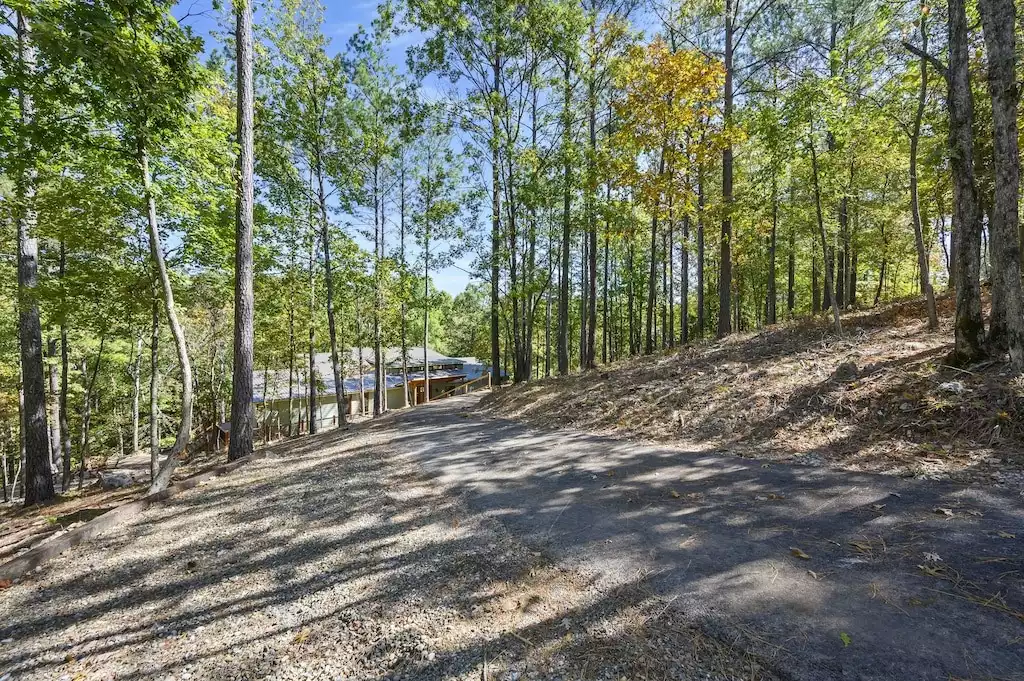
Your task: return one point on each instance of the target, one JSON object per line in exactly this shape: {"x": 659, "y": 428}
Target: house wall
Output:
{"x": 327, "y": 408}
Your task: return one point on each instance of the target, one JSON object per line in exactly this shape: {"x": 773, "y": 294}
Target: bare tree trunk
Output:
{"x": 154, "y": 393}
{"x": 563, "y": 277}
{"x": 38, "y": 480}
{"x": 589, "y": 354}
{"x": 163, "y": 476}
{"x": 495, "y": 225}
{"x": 701, "y": 320}
{"x": 770, "y": 309}
{"x": 242, "y": 414}
{"x": 404, "y": 322}
{"x": 325, "y": 237}
{"x": 83, "y": 448}
{"x": 725, "y": 265}
{"x": 970, "y": 327}
{"x": 915, "y": 204}
{"x": 311, "y": 406}
{"x": 824, "y": 239}
{"x": 54, "y": 403}
{"x": 653, "y": 270}
{"x": 1006, "y": 330}
{"x": 426, "y": 314}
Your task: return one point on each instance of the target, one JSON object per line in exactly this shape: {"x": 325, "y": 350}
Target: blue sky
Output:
{"x": 341, "y": 21}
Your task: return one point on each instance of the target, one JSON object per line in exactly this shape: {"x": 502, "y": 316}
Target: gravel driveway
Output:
{"x": 334, "y": 558}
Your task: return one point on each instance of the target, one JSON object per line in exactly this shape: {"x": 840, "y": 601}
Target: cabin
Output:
{"x": 282, "y": 404}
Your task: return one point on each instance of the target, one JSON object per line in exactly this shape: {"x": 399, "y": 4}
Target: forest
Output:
{"x": 183, "y": 209}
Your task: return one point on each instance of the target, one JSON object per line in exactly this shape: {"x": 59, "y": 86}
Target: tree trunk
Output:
{"x": 83, "y": 445}
{"x": 426, "y": 313}
{"x": 54, "y": 403}
{"x": 242, "y": 415}
{"x": 725, "y": 265}
{"x": 38, "y": 480}
{"x": 701, "y": 320}
{"x": 970, "y": 327}
{"x": 136, "y": 391}
{"x": 311, "y": 405}
{"x": 915, "y": 204}
{"x": 684, "y": 283}
{"x": 563, "y": 277}
{"x": 824, "y": 240}
{"x": 653, "y": 270}
{"x": 154, "y": 393}
{"x": 495, "y": 227}
{"x": 589, "y": 354}
{"x": 163, "y": 476}
{"x": 771, "y": 316}
{"x": 1006, "y": 330}
{"x": 401, "y": 255}
{"x": 379, "y": 386}
{"x": 325, "y": 237}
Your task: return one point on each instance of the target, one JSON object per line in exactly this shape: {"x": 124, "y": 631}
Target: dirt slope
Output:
{"x": 880, "y": 398}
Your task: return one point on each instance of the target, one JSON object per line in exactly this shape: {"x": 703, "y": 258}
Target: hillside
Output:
{"x": 881, "y": 398}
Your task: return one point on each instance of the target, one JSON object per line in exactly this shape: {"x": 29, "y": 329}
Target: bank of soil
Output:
{"x": 882, "y": 398}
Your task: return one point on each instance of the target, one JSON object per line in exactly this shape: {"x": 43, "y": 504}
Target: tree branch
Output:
{"x": 934, "y": 61}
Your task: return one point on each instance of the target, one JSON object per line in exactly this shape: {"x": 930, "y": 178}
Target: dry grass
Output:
{"x": 881, "y": 397}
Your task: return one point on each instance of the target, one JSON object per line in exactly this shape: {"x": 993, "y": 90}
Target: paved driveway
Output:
{"x": 827, "y": 574}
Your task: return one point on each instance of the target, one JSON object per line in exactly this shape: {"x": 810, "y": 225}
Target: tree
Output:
{"x": 38, "y": 482}
{"x": 1006, "y": 329}
{"x": 241, "y": 384}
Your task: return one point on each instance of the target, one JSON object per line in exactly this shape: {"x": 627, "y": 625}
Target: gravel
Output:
{"x": 330, "y": 559}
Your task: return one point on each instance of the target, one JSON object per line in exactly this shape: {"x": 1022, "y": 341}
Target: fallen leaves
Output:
{"x": 845, "y": 638}
{"x": 5, "y": 584}
{"x": 948, "y": 512}
{"x": 301, "y": 637}
{"x": 675, "y": 494}
{"x": 799, "y": 553}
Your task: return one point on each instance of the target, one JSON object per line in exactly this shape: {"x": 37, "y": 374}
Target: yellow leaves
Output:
{"x": 301, "y": 637}
{"x": 665, "y": 95}
{"x": 799, "y": 553}
{"x": 675, "y": 494}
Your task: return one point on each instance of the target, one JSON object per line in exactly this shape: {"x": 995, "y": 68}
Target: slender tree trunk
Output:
{"x": 915, "y": 204}
{"x": 495, "y": 226}
{"x": 38, "y": 480}
{"x": 379, "y": 385}
{"x": 311, "y": 405}
{"x": 426, "y": 313}
{"x": 154, "y": 392}
{"x": 701, "y": 319}
{"x": 771, "y": 317}
{"x": 401, "y": 249}
{"x": 970, "y": 327}
{"x": 54, "y": 405}
{"x": 65, "y": 431}
{"x": 589, "y": 354}
{"x": 325, "y": 237}
{"x": 824, "y": 239}
{"x": 653, "y": 270}
{"x": 684, "y": 283}
{"x": 725, "y": 265}
{"x": 136, "y": 391}
{"x": 242, "y": 415}
{"x": 163, "y": 476}
{"x": 563, "y": 278}
{"x": 1006, "y": 330}
{"x": 83, "y": 447}
{"x": 291, "y": 358}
